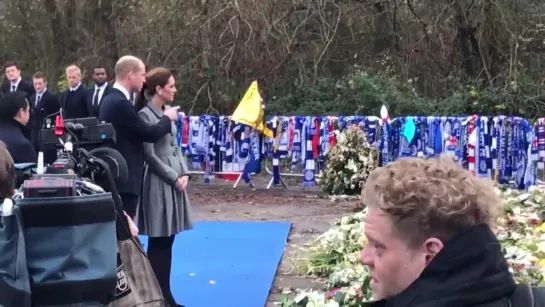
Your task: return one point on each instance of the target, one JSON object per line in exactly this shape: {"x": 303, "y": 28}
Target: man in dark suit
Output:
{"x": 14, "y": 115}
{"x": 14, "y": 82}
{"x": 99, "y": 91}
{"x": 131, "y": 131}
{"x": 43, "y": 105}
{"x": 74, "y": 99}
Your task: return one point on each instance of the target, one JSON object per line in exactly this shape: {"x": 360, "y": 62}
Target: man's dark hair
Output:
{"x": 11, "y": 103}
{"x": 39, "y": 75}
{"x": 7, "y": 173}
{"x": 10, "y": 64}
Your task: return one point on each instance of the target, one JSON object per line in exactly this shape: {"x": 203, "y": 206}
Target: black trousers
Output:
{"x": 160, "y": 258}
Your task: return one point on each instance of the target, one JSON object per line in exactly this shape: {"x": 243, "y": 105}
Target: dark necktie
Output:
{"x": 38, "y": 98}
{"x": 13, "y": 88}
{"x": 95, "y": 98}
{"x": 132, "y": 99}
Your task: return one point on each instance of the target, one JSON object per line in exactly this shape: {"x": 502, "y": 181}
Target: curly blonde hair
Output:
{"x": 431, "y": 198}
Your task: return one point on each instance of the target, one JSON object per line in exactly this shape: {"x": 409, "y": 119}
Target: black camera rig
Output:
{"x": 87, "y": 132}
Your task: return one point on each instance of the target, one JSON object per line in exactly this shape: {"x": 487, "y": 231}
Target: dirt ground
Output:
{"x": 308, "y": 211}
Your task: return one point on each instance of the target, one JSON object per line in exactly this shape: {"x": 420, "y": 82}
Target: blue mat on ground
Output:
{"x": 226, "y": 263}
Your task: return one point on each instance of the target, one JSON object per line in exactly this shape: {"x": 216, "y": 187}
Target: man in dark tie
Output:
{"x": 14, "y": 82}
{"x": 131, "y": 131}
{"x": 74, "y": 99}
{"x": 43, "y": 105}
{"x": 99, "y": 91}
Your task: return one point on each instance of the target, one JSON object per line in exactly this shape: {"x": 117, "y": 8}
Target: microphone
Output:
{"x": 70, "y": 126}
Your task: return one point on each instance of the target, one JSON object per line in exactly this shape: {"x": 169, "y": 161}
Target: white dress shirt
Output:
{"x": 100, "y": 92}
{"x": 14, "y": 85}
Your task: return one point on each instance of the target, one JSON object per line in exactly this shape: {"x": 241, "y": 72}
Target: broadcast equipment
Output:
{"x": 88, "y": 132}
{"x": 66, "y": 218}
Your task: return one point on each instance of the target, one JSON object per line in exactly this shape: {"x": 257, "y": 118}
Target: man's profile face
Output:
{"x": 13, "y": 73}
{"x": 138, "y": 77}
{"x": 39, "y": 84}
{"x": 73, "y": 78}
{"x": 99, "y": 76}
{"x": 393, "y": 265}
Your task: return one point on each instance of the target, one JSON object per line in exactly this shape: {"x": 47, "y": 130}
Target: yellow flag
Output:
{"x": 250, "y": 111}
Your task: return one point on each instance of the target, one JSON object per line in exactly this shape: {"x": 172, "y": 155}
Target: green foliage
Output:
{"x": 62, "y": 84}
{"x": 359, "y": 93}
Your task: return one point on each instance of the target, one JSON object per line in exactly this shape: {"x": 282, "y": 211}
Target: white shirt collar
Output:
{"x": 123, "y": 90}
{"x": 101, "y": 87}
{"x": 16, "y": 82}
{"x": 42, "y": 93}
{"x": 75, "y": 88}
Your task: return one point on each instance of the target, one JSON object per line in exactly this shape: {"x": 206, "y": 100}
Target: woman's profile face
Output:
{"x": 168, "y": 91}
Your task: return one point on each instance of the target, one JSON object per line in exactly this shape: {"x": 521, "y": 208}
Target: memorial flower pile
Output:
{"x": 335, "y": 254}
{"x": 349, "y": 163}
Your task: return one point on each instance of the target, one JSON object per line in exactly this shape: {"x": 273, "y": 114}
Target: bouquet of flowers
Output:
{"x": 335, "y": 254}
{"x": 349, "y": 163}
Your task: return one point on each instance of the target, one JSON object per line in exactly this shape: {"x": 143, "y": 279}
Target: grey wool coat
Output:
{"x": 163, "y": 211}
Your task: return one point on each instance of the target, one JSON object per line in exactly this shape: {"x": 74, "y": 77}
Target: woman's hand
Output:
{"x": 181, "y": 183}
{"x": 132, "y": 226}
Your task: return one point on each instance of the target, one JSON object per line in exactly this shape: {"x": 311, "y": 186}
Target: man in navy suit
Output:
{"x": 14, "y": 81}
{"x": 43, "y": 105}
{"x": 131, "y": 131}
{"x": 74, "y": 99}
{"x": 96, "y": 93}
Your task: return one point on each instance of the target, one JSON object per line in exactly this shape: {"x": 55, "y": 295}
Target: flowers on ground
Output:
{"x": 349, "y": 163}
{"x": 335, "y": 254}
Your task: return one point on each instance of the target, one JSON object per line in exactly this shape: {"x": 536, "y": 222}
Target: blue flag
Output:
{"x": 253, "y": 164}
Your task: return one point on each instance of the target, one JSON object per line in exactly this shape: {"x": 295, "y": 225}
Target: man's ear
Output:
{"x": 432, "y": 247}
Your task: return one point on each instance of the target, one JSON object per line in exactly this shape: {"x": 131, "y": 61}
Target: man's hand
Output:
{"x": 181, "y": 183}
{"x": 172, "y": 113}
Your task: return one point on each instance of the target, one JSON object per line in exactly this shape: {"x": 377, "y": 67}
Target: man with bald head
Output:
{"x": 74, "y": 99}
{"x": 131, "y": 131}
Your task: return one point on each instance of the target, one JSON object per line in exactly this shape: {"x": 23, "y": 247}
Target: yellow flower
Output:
{"x": 541, "y": 263}
{"x": 540, "y": 229}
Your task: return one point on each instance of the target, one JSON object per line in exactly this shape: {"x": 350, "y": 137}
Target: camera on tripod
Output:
{"x": 70, "y": 210}
{"x": 68, "y": 138}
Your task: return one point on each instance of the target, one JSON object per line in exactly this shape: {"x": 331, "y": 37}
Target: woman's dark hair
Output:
{"x": 11, "y": 103}
{"x": 156, "y": 77}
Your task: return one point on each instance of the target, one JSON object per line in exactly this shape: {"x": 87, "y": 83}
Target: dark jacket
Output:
{"x": 74, "y": 103}
{"x": 93, "y": 112}
{"x": 48, "y": 105}
{"x": 470, "y": 271}
{"x": 131, "y": 133}
{"x": 23, "y": 86}
{"x": 20, "y": 148}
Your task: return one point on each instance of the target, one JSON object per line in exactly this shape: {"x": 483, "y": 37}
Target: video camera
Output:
{"x": 65, "y": 138}
{"x": 88, "y": 132}
{"x": 75, "y": 201}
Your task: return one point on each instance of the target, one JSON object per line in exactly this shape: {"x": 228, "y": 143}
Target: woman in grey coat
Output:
{"x": 164, "y": 208}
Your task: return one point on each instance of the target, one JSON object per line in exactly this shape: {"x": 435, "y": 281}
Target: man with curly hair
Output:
{"x": 430, "y": 239}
